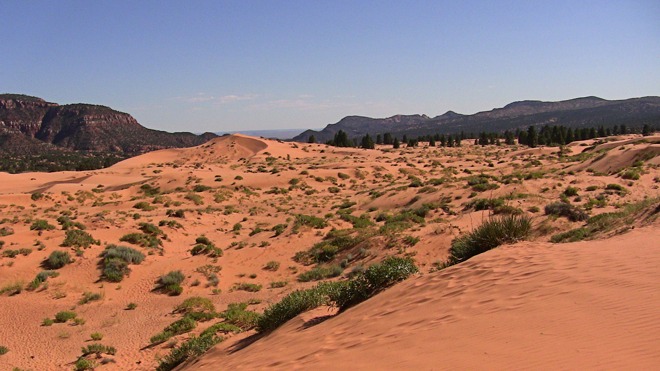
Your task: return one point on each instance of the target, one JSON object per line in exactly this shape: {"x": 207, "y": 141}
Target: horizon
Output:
{"x": 306, "y": 65}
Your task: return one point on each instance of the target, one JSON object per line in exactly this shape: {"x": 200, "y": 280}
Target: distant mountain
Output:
{"x": 82, "y": 127}
{"x": 579, "y": 112}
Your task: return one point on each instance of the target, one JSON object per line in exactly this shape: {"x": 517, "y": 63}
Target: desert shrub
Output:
{"x": 630, "y": 174}
{"x": 176, "y": 213}
{"x": 222, "y": 327}
{"x": 131, "y": 306}
{"x": 616, "y": 188}
{"x": 591, "y": 188}
{"x": 311, "y": 221}
{"x": 278, "y": 284}
{"x": 334, "y": 189}
{"x": 13, "y": 288}
{"x": 36, "y": 196}
{"x": 573, "y": 213}
{"x": 98, "y": 349}
{"x": 570, "y": 191}
{"x": 195, "y": 198}
{"x": 115, "y": 261}
{"x": 83, "y": 364}
{"x": 279, "y": 229}
{"x": 96, "y": 336}
{"x": 200, "y": 188}
{"x": 6, "y": 231}
{"x": 171, "y": 283}
{"x": 485, "y": 203}
{"x": 371, "y": 281}
{"x": 578, "y": 234}
{"x": 185, "y": 324}
{"x": 507, "y": 209}
{"x": 41, "y": 225}
{"x": 64, "y": 316}
{"x": 492, "y": 233}
{"x": 195, "y": 304}
{"x": 170, "y": 223}
{"x": 142, "y": 239}
{"x": 290, "y": 306}
{"x": 151, "y": 229}
{"x": 191, "y": 348}
{"x": 89, "y": 297}
{"x": 78, "y": 238}
{"x": 149, "y": 190}
{"x": 41, "y": 278}
{"x": 272, "y": 266}
{"x": 238, "y": 315}
{"x": 204, "y": 246}
{"x": 3, "y": 350}
{"x": 144, "y": 206}
{"x": 320, "y": 273}
{"x": 47, "y": 322}
{"x": 249, "y": 287}
{"x": 57, "y": 260}
{"x": 67, "y": 223}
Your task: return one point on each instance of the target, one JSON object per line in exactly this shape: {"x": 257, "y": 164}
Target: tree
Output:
{"x": 341, "y": 140}
{"x": 395, "y": 143}
{"x": 646, "y": 130}
{"x": 367, "y": 142}
{"x": 379, "y": 139}
{"x": 432, "y": 142}
{"x": 311, "y": 139}
{"x": 387, "y": 138}
{"x": 532, "y": 137}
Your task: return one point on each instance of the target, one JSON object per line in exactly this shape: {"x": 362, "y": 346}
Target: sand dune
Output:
{"x": 237, "y": 191}
{"x": 525, "y": 306}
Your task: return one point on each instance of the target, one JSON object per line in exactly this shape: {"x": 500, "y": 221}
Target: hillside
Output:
{"x": 576, "y": 113}
{"x": 32, "y": 126}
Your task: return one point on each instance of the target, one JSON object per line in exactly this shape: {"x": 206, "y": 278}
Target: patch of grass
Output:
{"x": 144, "y": 206}
{"x": 142, "y": 239}
{"x": 13, "y": 288}
{"x": 3, "y": 350}
{"x": 492, "y": 233}
{"x": 272, "y": 266}
{"x": 205, "y": 247}
{"x": 41, "y": 278}
{"x": 195, "y": 304}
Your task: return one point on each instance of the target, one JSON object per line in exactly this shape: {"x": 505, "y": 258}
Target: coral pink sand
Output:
{"x": 592, "y": 305}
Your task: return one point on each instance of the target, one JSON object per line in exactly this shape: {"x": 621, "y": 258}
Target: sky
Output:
{"x": 256, "y": 65}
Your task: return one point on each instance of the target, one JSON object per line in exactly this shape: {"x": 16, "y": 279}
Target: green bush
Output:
{"x": 238, "y": 315}
{"x": 171, "y": 283}
{"x": 89, "y": 297}
{"x": 195, "y": 304}
{"x": 116, "y": 260}
{"x": 320, "y": 273}
{"x": 191, "y": 348}
{"x": 3, "y": 350}
{"x": 78, "y": 238}
{"x": 144, "y": 206}
{"x": 41, "y": 225}
{"x": 41, "y": 278}
{"x": 142, "y": 239}
{"x": 292, "y": 305}
{"x": 249, "y": 287}
{"x": 64, "y": 316}
{"x": 98, "y": 349}
{"x": 272, "y": 266}
{"x": 570, "y": 191}
{"x": 371, "y": 281}
{"x": 83, "y": 364}
{"x": 492, "y": 233}
{"x": 57, "y": 260}
{"x": 571, "y": 212}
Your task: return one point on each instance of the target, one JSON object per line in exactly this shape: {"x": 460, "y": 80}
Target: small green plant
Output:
{"x": 96, "y": 336}
{"x": 245, "y": 286}
{"x": 492, "y": 233}
{"x": 144, "y": 206}
{"x": 89, "y": 297}
{"x": 573, "y": 213}
{"x": 3, "y": 350}
{"x": 115, "y": 261}
{"x": 64, "y": 316}
{"x": 272, "y": 266}
{"x": 131, "y": 306}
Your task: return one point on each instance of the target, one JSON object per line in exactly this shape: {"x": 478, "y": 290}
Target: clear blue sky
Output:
{"x": 232, "y": 65}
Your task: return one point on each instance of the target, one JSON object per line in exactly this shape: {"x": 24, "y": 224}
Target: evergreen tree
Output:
{"x": 311, "y": 139}
{"x": 395, "y": 143}
{"x": 532, "y": 137}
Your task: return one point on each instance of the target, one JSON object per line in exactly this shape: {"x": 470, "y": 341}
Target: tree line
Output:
{"x": 555, "y": 135}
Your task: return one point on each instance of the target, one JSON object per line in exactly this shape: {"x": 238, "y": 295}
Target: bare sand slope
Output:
{"x": 527, "y": 306}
